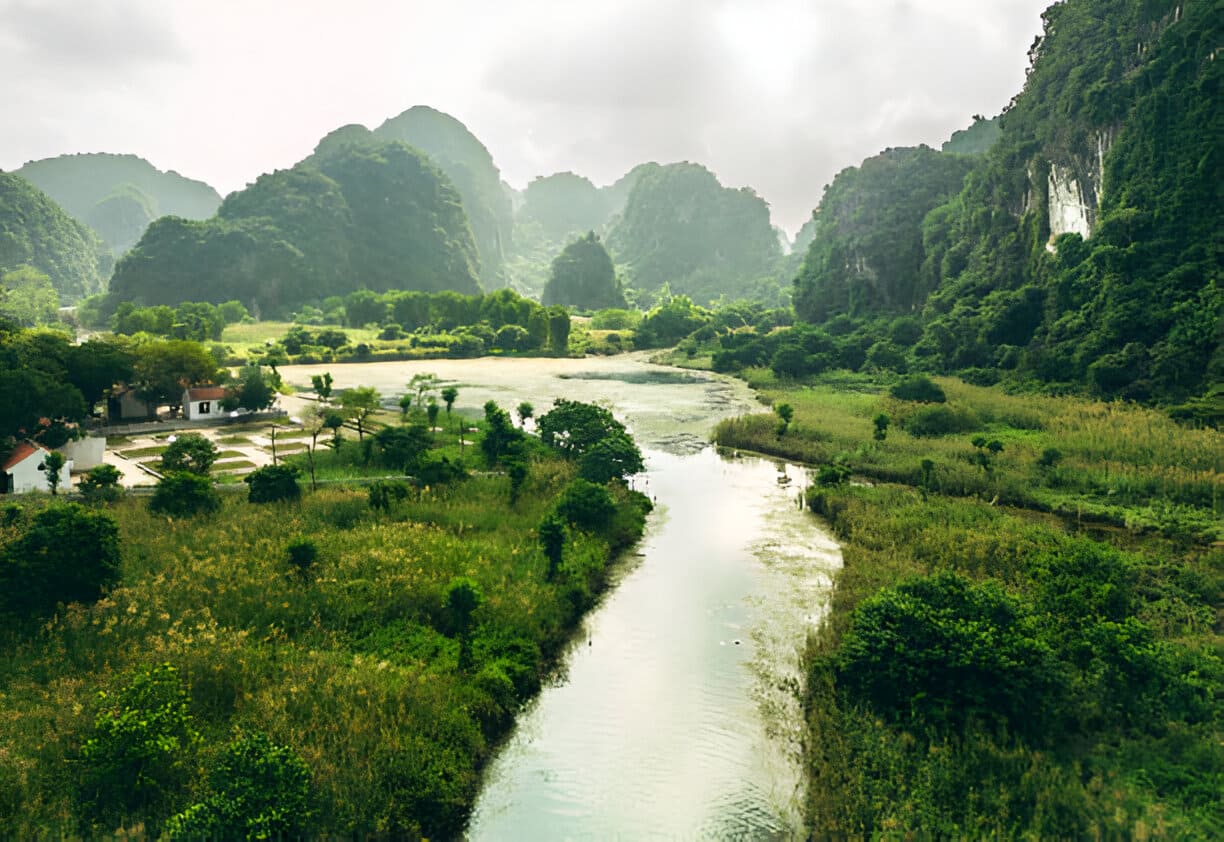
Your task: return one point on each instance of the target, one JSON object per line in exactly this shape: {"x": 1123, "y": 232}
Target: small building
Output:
{"x": 24, "y": 471}
{"x": 125, "y": 406}
{"x": 203, "y": 402}
{"x": 85, "y": 453}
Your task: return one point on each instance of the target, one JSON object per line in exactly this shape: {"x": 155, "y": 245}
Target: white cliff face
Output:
{"x": 1069, "y": 213}
{"x": 1074, "y": 191}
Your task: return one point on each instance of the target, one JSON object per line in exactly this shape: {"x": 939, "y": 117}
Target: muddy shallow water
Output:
{"x": 675, "y": 714}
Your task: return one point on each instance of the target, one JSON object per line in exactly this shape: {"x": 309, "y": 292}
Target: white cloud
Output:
{"x": 776, "y": 94}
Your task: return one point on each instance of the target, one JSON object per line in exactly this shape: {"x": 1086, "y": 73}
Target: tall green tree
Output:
{"x": 583, "y": 276}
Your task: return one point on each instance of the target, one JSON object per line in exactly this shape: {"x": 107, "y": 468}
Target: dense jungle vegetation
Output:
{"x": 1120, "y": 114}
{"x": 36, "y": 232}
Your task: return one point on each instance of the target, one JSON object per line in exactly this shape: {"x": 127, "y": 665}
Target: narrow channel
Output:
{"x": 676, "y": 712}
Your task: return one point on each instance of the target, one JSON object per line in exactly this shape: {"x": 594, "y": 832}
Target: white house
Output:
{"x": 23, "y": 471}
{"x": 200, "y": 402}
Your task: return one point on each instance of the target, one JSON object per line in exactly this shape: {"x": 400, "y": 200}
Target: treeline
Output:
{"x": 1083, "y": 248}
{"x": 55, "y": 385}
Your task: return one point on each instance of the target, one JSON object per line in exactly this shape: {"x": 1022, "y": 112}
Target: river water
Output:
{"x": 676, "y": 712}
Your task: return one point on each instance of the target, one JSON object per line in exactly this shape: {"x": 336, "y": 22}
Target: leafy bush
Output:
{"x": 302, "y": 553}
{"x": 940, "y": 420}
{"x": 918, "y": 388}
{"x": 189, "y": 452}
{"x": 586, "y": 505}
{"x": 614, "y": 457}
{"x": 68, "y": 554}
{"x": 139, "y": 752}
{"x": 184, "y": 495}
{"x": 386, "y": 492}
{"x": 260, "y": 790}
{"x": 434, "y": 470}
{"x": 100, "y": 484}
{"x": 273, "y": 483}
{"x": 941, "y": 651}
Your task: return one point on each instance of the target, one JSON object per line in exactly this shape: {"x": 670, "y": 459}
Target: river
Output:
{"x": 676, "y": 713}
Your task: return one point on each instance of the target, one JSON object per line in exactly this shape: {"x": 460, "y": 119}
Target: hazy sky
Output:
{"x": 775, "y": 94}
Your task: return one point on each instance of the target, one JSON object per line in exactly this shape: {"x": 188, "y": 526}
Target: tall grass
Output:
{"x": 355, "y": 666}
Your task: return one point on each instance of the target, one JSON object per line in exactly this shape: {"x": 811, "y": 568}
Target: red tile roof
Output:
{"x": 20, "y": 453}
{"x": 205, "y": 393}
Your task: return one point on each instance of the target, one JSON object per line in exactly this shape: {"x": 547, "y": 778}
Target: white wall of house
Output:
{"x": 193, "y": 410}
{"x": 26, "y": 476}
{"x": 85, "y": 453}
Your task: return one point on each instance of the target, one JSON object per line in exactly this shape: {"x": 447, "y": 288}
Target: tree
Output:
{"x": 785, "y": 413}
{"x": 401, "y": 447}
{"x": 257, "y": 390}
{"x": 558, "y": 330}
{"x": 30, "y": 396}
{"x": 583, "y": 276}
{"x": 190, "y": 452}
{"x": 68, "y": 554}
{"x": 139, "y": 751}
{"x": 525, "y": 410}
{"x": 586, "y": 505}
{"x": 574, "y": 427}
{"x": 164, "y": 368}
{"x": 322, "y": 385}
{"x": 52, "y": 464}
{"x": 423, "y": 384}
{"x": 184, "y": 495}
{"x": 98, "y": 364}
{"x": 613, "y": 457}
{"x": 272, "y": 484}
{"x": 28, "y": 298}
{"x": 313, "y": 424}
{"x": 881, "y": 423}
{"x": 258, "y": 790}
{"x": 516, "y": 469}
{"x": 360, "y": 403}
{"x": 334, "y": 421}
{"x": 449, "y": 395}
{"x": 431, "y": 412}
{"x": 463, "y": 597}
{"x": 500, "y": 436}
{"x": 553, "y": 532}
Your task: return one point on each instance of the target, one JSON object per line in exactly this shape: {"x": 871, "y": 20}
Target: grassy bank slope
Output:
{"x": 1025, "y": 641}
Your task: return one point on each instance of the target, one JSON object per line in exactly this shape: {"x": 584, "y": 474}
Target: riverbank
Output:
{"x": 988, "y": 669}
{"x": 383, "y": 644}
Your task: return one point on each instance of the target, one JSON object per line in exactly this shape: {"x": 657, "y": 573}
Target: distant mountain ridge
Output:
{"x": 368, "y": 214}
{"x": 119, "y": 195}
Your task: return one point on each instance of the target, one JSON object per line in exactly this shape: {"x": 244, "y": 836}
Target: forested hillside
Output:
{"x": 374, "y": 215}
{"x": 457, "y": 152}
{"x": 866, "y": 248}
{"x": 119, "y": 195}
{"x": 35, "y": 231}
{"x": 682, "y": 228}
{"x": 1084, "y": 248}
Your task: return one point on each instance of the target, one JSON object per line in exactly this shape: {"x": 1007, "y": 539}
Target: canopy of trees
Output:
{"x": 376, "y": 215}
{"x": 1120, "y": 112}
{"x": 452, "y": 148}
{"x": 866, "y": 248}
{"x": 681, "y": 227}
{"x": 35, "y": 231}
{"x": 583, "y": 276}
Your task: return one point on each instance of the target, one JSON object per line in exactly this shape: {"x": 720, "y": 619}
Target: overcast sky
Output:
{"x": 778, "y": 95}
